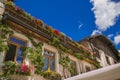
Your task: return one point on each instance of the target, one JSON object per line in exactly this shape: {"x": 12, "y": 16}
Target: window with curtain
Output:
{"x": 49, "y": 60}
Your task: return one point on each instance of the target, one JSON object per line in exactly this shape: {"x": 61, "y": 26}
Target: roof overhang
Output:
{"x": 105, "y": 40}
{"x": 107, "y": 73}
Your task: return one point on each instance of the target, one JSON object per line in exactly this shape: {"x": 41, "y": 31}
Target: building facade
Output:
{"x": 103, "y": 48}
{"x": 32, "y": 50}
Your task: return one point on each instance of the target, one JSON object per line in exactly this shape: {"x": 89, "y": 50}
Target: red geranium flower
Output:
{"x": 56, "y": 31}
{"x": 24, "y": 68}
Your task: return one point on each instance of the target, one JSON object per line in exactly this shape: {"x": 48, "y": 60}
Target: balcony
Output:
{"x": 26, "y": 22}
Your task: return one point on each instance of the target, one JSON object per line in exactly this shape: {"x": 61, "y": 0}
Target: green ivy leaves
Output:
{"x": 4, "y": 33}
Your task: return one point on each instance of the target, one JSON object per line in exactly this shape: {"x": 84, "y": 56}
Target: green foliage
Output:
{"x": 10, "y": 3}
{"x": 97, "y": 65}
{"x": 1, "y": 75}
{"x": 35, "y": 55}
{"x": 70, "y": 69}
{"x": 37, "y": 59}
{"x": 5, "y": 29}
{"x": 52, "y": 75}
{"x": 119, "y": 54}
{"x": 10, "y": 67}
{"x": 65, "y": 61}
{"x": 79, "y": 56}
{"x": 26, "y": 51}
{"x": 55, "y": 42}
{"x": 32, "y": 41}
{"x": 3, "y": 47}
{"x": 63, "y": 48}
{"x": 4, "y": 33}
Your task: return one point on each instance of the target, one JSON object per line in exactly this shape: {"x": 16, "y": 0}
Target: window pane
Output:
{"x": 87, "y": 68}
{"x": 107, "y": 59}
{"x": 49, "y": 53}
{"x": 10, "y": 55}
{"x": 52, "y": 64}
{"x": 73, "y": 66}
{"x": 45, "y": 64}
{"x": 19, "y": 55}
{"x": 15, "y": 40}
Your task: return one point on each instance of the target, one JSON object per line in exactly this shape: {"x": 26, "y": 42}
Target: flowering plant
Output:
{"x": 25, "y": 69}
{"x": 56, "y": 31}
{"x": 52, "y": 75}
{"x": 11, "y": 67}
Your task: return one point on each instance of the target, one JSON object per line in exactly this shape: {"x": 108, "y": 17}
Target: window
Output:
{"x": 107, "y": 60}
{"x": 15, "y": 52}
{"x": 49, "y": 60}
{"x": 87, "y": 68}
{"x": 73, "y": 66}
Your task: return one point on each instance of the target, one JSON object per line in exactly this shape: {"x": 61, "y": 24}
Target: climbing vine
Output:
{"x": 35, "y": 55}
{"x": 5, "y": 32}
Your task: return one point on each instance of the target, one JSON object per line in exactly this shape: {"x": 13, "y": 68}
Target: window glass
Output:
{"x": 73, "y": 66}
{"x": 15, "y": 51}
{"x": 49, "y": 62}
{"x": 52, "y": 67}
{"x": 107, "y": 59}
{"x": 19, "y": 55}
{"x": 45, "y": 64}
{"x": 17, "y": 41}
{"x": 10, "y": 55}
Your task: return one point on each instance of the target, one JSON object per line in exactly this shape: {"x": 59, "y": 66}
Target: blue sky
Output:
{"x": 76, "y": 18}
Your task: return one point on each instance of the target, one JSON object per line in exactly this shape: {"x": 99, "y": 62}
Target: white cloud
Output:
{"x": 80, "y": 26}
{"x": 118, "y": 50}
{"x": 96, "y": 32}
{"x": 110, "y": 36}
{"x": 106, "y": 13}
{"x": 117, "y": 39}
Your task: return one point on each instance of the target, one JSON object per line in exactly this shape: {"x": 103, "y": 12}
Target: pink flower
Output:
{"x": 16, "y": 8}
{"x": 89, "y": 49}
{"x": 24, "y": 68}
{"x": 33, "y": 17}
{"x": 92, "y": 53}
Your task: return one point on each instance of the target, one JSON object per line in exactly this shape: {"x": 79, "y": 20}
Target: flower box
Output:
{"x": 19, "y": 77}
